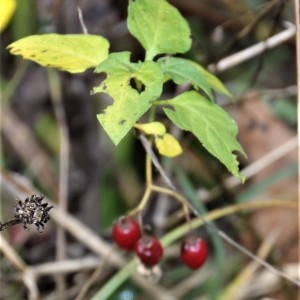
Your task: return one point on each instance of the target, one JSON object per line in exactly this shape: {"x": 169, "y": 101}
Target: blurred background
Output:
{"x": 52, "y": 143}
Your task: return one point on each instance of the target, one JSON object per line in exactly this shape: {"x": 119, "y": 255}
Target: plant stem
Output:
{"x": 9, "y": 223}
{"x": 162, "y": 102}
{"x": 149, "y": 56}
{"x": 178, "y": 197}
{"x": 142, "y": 203}
{"x": 148, "y": 170}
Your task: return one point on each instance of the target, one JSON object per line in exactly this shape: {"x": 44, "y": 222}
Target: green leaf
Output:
{"x": 214, "y": 81}
{"x": 159, "y": 27}
{"x": 132, "y": 86}
{"x": 167, "y": 145}
{"x": 71, "y": 52}
{"x": 213, "y": 127}
{"x": 182, "y": 70}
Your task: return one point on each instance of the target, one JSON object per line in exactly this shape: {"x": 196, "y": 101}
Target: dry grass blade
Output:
{"x": 24, "y": 143}
{"x": 86, "y": 236}
{"x": 236, "y": 289}
{"x": 11, "y": 254}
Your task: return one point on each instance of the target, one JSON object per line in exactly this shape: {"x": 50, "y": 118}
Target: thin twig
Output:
{"x": 267, "y": 9}
{"x": 56, "y": 96}
{"x": 257, "y": 259}
{"x": 82, "y": 24}
{"x": 257, "y": 166}
{"x": 155, "y": 161}
{"x": 25, "y": 145}
{"x": 288, "y": 91}
{"x": 183, "y": 287}
{"x": 230, "y": 241}
{"x": 100, "y": 270}
{"x": 241, "y": 56}
{"x": 297, "y": 19}
{"x": 30, "y": 282}
{"x": 266, "y": 281}
{"x": 14, "y": 82}
{"x": 85, "y": 235}
{"x": 65, "y": 266}
{"x": 265, "y": 161}
{"x": 236, "y": 288}
{"x": 7, "y": 224}
{"x": 87, "y": 285}
{"x": 11, "y": 254}
{"x": 19, "y": 264}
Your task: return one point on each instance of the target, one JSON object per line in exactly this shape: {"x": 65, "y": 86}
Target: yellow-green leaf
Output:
{"x": 7, "y": 8}
{"x": 132, "y": 86}
{"x": 167, "y": 145}
{"x": 71, "y": 52}
{"x": 155, "y": 128}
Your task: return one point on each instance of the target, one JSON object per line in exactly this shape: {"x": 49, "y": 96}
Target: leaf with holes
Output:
{"x": 132, "y": 86}
{"x": 213, "y": 127}
{"x": 159, "y": 27}
{"x": 71, "y": 52}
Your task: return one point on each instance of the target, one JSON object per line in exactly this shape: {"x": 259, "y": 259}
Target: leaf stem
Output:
{"x": 148, "y": 170}
{"x": 9, "y": 223}
{"x": 142, "y": 203}
{"x": 149, "y": 56}
{"x": 152, "y": 114}
{"x": 162, "y": 102}
{"x": 178, "y": 197}
{"x": 155, "y": 188}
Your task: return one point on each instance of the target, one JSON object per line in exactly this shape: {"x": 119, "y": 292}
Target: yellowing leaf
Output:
{"x": 130, "y": 100}
{"x": 155, "y": 128}
{"x": 7, "y": 8}
{"x": 71, "y": 52}
{"x": 167, "y": 145}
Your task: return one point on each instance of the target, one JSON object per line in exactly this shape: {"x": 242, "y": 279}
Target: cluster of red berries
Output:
{"x": 127, "y": 235}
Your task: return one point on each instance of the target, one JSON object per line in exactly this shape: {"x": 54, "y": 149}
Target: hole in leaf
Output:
{"x": 136, "y": 85}
{"x": 122, "y": 122}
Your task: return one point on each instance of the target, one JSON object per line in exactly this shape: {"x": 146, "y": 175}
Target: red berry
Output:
{"x": 149, "y": 250}
{"x": 126, "y": 232}
{"x": 194, "y": 252}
